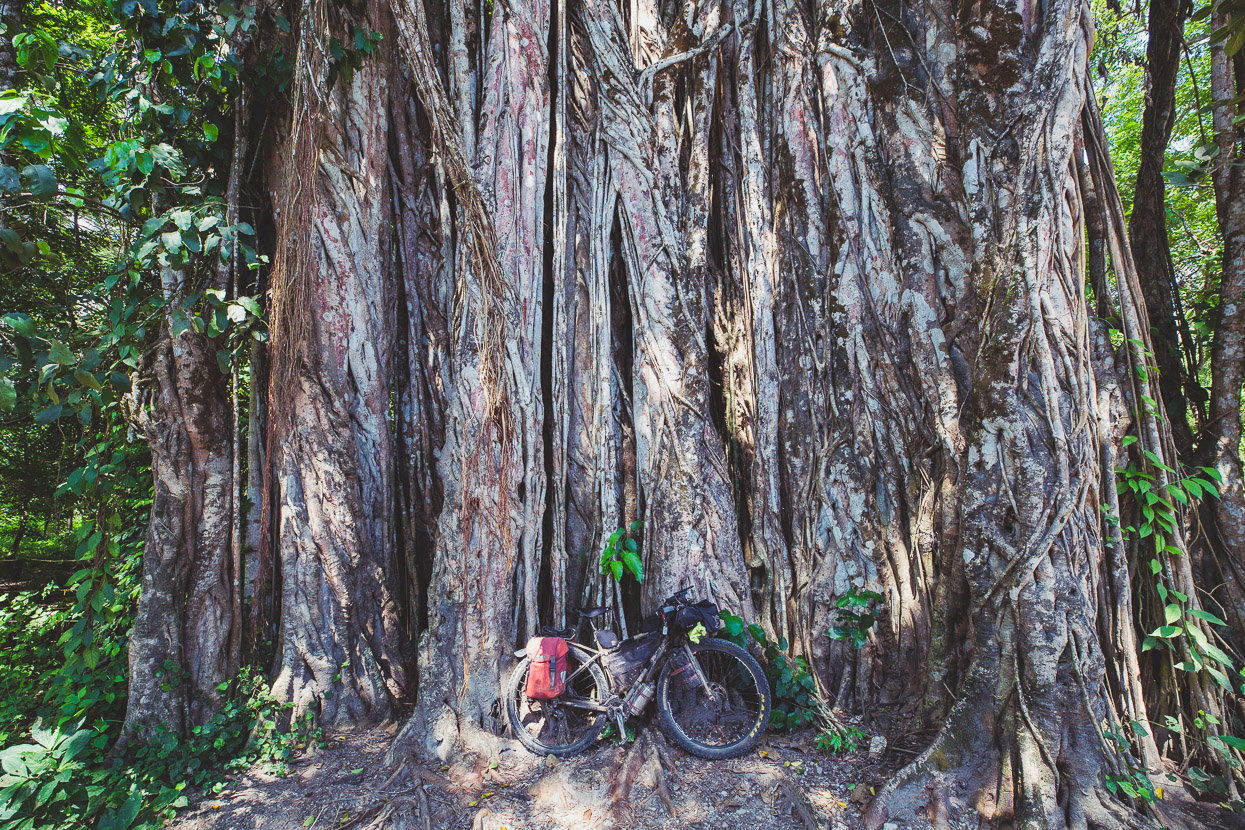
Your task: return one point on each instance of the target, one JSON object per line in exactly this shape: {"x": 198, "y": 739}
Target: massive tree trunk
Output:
{"x": 801, "y": 287}
{"x": 341, "y": 651}
{"x": 183, "y": 644}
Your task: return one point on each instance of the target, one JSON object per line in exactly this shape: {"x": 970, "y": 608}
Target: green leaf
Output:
{"x": 633, "y": 564}
{"x": 1220, "y": 678}
{"x": 252, "y": 306}
{"x": 40, "y": 181}
{"x": 20, "y": 323}
{"x": 1217, "y": 654}
{"x": 616, "y": 568}
{"x": 1205, "y": 615}
{"x": 58, "y": 352}
{"x": 10, "y": 182}
{"x": 1165, "y": 631}
{"x": 88, "y": 380}
{"x": 8, "y": 395}
{"x": 1231, "y": 740}
{"x": 172, "y": 241}
{"x": 1211, "y": 471}
{"x": 210, "y": 131}
{"x": 1178, "y": 494}
{"x": 1172, "y": 614}
{"x": 11, "y": 101}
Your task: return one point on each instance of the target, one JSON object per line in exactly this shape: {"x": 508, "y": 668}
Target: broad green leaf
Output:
{"x": 253, "y": 307}
{"x": 58, "y": 352}
{"x": 88, "y": 380}
{"x": 1217, "y": 654}
{"x": 20, "y": 323}
{"x": 40, "y": 181}
{"x": 1172, "y": 614}
{"x": 1205, "y": 615}
{"x": 10, "y": 182}
{"x": 11, "y": 101}
{"x": 633, "y": 564}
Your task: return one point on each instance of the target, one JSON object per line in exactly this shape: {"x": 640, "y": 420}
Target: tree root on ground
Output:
{"x": 795, "y": 798}
{"x": 649, "y": 750}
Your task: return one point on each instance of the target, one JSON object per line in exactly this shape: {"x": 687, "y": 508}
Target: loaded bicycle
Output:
{"x": 712, "y": 697}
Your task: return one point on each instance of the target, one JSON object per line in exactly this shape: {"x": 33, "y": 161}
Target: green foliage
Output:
{"x": 845, "y": 739}
{"x": 793, "y": 687}
{"x": 62, "y": 780}
{"x": 856, "y": 613}
{"x": 1158, "y": 521}
{"x": 47, "y": 783}
{"x": 622, "y": 554}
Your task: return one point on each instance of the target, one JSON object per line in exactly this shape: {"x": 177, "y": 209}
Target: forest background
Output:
{"x": 176, "y": 215}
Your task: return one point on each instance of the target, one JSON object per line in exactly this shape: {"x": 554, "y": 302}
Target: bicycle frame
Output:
{"x": 614, "y": 704}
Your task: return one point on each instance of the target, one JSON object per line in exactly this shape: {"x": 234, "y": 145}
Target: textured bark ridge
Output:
{"x": 341, "y": 650}
{"x": 802, "y": 287}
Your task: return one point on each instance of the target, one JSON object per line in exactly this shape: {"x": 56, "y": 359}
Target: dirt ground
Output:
{"x": 787, "y": 784}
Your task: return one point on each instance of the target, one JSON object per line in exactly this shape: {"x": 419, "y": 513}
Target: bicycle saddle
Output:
{"x": 591, "y": 613}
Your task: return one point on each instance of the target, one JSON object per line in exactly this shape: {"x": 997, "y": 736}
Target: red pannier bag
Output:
{"x": 546, "y": 677}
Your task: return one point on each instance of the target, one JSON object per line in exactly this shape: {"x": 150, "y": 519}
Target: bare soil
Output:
{"x": 787, "y": 784}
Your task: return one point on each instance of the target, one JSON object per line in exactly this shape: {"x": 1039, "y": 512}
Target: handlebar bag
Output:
{"x": 546, "y": 676}
{"x": 705, "y": 613}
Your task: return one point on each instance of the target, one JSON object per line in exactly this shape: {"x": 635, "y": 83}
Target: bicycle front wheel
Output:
{"x": 720, "y": 712}
{"x": 569, "y": 723}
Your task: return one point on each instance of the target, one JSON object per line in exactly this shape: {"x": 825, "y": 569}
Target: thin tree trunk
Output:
{"x": 1147, "y": 225}
{"x": 1222, "y": 438}
{"x": 181, "y": 646}
{"x": 20, "y": 535}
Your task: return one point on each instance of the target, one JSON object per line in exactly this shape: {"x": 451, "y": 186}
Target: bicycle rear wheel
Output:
{"x": 567, "y": 724}
{"x": 727, "y": 717}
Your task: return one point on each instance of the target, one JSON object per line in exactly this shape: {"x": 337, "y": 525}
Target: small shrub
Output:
{"x": 622, "y": 554}
{"x": 856, "y": 613}
{"x": 793, "y": 687}
{"x": 838, "y": 738}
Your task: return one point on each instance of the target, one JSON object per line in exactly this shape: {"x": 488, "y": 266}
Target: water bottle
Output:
{"x": 640, "y": 697}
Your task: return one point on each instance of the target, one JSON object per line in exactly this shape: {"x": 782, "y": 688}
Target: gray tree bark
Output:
{"x": 341, "y": 650}
{"x": 183, "y": 644}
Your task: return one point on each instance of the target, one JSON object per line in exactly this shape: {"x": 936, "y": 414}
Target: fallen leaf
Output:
{"x": 587, "y": 814}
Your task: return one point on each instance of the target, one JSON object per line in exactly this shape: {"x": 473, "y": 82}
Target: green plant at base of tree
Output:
{"x": 622, "y": 554}
{"x": 793, "y": 687}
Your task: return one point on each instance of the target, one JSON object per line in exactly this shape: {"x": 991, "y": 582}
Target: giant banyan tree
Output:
{"x": 808, "y": 288}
